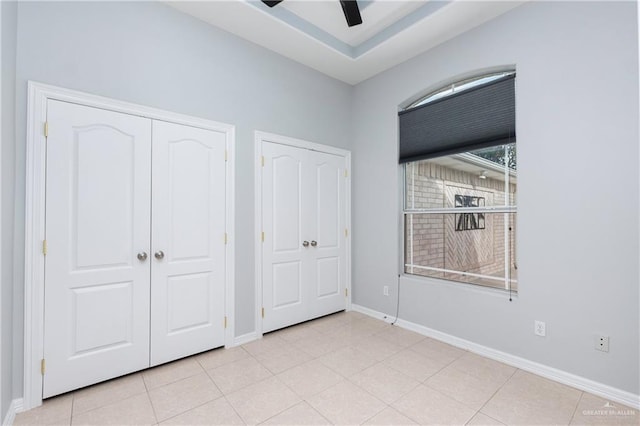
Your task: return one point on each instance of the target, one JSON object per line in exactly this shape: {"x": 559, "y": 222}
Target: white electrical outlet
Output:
{"x": 385, "y": 290}
{"x": 602, "y": 343}
{"x": 540, "y": 328}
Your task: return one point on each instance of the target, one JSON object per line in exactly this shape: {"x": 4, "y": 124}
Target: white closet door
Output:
{"x": 97, "y": 221}
{"x": 285, "y": 207}
{"x": 328, "y": 254}
{"x": 303, "y": 253}
{"x": 188, "y": 240}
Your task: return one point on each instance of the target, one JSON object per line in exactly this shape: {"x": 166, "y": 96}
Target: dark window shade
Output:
{"x": 479, "y": 117}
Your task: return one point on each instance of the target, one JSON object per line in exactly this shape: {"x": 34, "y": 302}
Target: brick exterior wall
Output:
{"x": 432, "y": 240}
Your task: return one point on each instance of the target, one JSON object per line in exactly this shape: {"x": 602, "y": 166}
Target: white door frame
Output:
{"x": 261, "y": 137}
{"x": 38, "y": 95}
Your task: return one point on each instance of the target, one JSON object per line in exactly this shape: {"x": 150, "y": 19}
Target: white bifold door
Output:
{"x": 134, "y": 266}
{"x": 304, "y": 256}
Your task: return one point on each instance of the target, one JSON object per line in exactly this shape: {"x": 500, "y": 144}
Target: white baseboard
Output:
{"x": 372, "y": 313}
{"x": 14, "y": 408}
{"x": 245, "y": 338}
{"x": 578, "y": 382}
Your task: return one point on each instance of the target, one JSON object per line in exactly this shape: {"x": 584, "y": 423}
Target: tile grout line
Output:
{"x": 472, "y": 375}
{"x": 475, "y": 410}
{"x": 73, "y": 403}
{"x": 494, "y": 394}
{"x": 388, "y": 405}
{"x": 190, "y": 409}
{"x": 280, "y": 412}
{"x": 233, "y": 408}
{"x": 146, "y": 388}
{"x": 382, "y": 363}
{"x": 575, "y": 410}
{"x": 153, "y": 408}
{"x": 346, "y": 379}
{"x": 167, "y": 365}
{"x": 241, "y": 387}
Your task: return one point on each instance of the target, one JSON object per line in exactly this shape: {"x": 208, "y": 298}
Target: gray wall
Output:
{"x": 7, "y": 145}
{"x": 150, "y": 54}
{"x": 577, "y": 241}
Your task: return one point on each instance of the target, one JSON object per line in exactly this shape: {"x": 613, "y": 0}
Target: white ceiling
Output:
{"x": 316, "y": 34}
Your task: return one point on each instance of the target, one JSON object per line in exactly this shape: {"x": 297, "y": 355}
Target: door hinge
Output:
{"x": 262, "y": 236}
{"x": 225, "y": 322}
{"x": 346, "y": 232}
{"x": 46, "y": 129}
{"x": 225, "y": 155}
{"x": 44, "y": 247}
{"x": 225, "y": 238}
{"x": 42, "y": 366}
{"x": 346, "y": 292}
{"x": 346, "y": 173}
{"x": 262, "y": 160}
{"x": 262, "y": 312}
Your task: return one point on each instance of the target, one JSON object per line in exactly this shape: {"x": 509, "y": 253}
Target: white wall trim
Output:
{"x": 257, "y": 232}
{"x": 569, "y": 379}
{"x": 230, "y": 251}
{"x": 246, "y": 338}
{"x": 259, "y": 138}
{"x": 38, "y": 95}
{"x": 14, "y": 408}
{"x": 300, "y": 143}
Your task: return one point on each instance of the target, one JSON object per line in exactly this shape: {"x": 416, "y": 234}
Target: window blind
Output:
{"x": 479, "y": 117}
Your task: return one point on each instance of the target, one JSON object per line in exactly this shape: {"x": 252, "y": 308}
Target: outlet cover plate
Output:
{"x": 602, "y": 343}
{"x": 540, "y": 328}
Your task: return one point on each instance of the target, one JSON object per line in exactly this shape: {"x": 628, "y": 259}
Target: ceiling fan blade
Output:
{"x": 351, "y": 12}
{"x": 271, "y": 3}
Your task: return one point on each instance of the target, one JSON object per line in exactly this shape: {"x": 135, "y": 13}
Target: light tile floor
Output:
{"x": 343, "y": 369}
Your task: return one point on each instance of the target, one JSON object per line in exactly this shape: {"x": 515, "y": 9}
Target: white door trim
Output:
{"x": 38, "y": 94}
{"x": 259, "y": 138}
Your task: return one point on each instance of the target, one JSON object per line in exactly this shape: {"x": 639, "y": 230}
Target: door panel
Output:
{"x": 188, "y": 215}
{"x": 302, "y": 200}
{"x": 328, "y": 278}
{"x": 286, "y": 203}
{"x": 284, "y": 212}
{"x": 329, "y": 256}
{"x": 97, "y": 148}
{"x": 97, "y": 220}
{"x": 97, "y": 326}
{"x": 287, "y": 285}
{"x": 328, "y": 190}
{"x": 189, "y": 179}
{"x": 191, "y": 291}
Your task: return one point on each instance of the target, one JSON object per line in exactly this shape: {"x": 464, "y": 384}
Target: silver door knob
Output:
{"x": 314, "y": 243}
{"x": 159, "y": 255}
{"x": 142, "y": 256}
{"x": 305, "y": 244}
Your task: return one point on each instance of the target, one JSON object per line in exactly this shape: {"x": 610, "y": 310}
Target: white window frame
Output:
{"x": 506, "y": 209}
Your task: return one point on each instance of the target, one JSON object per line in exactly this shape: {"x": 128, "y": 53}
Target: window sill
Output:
{"x": 459, "y": 286}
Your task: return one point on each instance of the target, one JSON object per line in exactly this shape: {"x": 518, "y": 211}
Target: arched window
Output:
{"x": 458, "y": 148}
{"x": 460, "y": 86}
